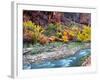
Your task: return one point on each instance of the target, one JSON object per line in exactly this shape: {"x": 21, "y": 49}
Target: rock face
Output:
{"x": 58, "y": 53}
{"x": 43, "y": 18}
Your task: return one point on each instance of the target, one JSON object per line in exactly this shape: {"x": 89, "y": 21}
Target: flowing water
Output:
{"x": 71, "y": 61}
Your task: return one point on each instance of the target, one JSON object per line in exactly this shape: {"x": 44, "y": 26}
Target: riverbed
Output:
{"x": 66, "y": 55}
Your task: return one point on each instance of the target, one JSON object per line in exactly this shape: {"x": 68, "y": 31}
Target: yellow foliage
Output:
{"x": 65, "y": 33}
{"x": 82, "y": 34}
{"x": 65, "y": 38}
{"x": 28, "y": 24}
{"x": 72, "y": 33}
{"x": 33, "y": 27}
{"x": 85, "y": 34}
{"x": 86, "y": 29}
{"x": 36, "y": 29}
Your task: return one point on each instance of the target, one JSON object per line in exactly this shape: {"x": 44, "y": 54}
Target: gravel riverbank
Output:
{"x": 58, "y": 53}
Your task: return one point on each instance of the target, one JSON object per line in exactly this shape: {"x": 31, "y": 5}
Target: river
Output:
{"x": 71, "y": 61}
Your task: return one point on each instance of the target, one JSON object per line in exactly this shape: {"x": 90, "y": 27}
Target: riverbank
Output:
{"x": 57, "y": 53}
